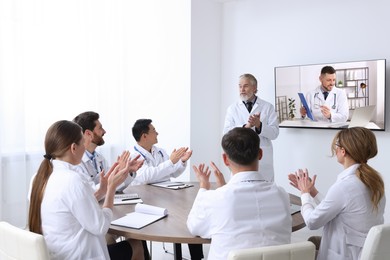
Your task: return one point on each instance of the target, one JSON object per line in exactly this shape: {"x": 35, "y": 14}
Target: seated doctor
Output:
{"x": 158, "y": 166}
{"x": 326, "y": 102}
{"x": 246, "y": 212}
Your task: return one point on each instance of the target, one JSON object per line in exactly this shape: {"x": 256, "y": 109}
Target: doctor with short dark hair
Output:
{"x": 246, "y": 212}
{"x": 326, "y": 102}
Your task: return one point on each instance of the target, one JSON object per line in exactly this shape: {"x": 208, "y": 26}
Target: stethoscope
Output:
{"x": 318, "y": 105}
{"x": 146, "y": 159}
{"x": 95, "y": 163}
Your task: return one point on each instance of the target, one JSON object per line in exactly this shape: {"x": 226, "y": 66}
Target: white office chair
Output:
{"x": 377, "y": 244}
{"x": 20, "y": 244}
{"x": 295, "y": 251}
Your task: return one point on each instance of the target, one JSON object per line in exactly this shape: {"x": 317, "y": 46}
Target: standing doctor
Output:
{"x": 257, "y": 114}
{"x": 327, "y": 103}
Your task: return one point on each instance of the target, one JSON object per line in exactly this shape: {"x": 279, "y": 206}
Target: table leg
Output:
{"x": 177, "y": 251}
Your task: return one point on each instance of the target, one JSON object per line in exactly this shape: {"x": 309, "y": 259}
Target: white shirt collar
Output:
{"x": 351, "y": 170}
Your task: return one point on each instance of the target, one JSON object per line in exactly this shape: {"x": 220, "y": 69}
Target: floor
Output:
{"x": 159, "y": 253}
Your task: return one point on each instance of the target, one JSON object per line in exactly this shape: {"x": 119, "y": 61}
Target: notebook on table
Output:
{"x": 142, "y": 216}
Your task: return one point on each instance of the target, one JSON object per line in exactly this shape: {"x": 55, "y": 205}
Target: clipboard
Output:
{"x": 304, "y": 103}
{"x": 171, "y": 185}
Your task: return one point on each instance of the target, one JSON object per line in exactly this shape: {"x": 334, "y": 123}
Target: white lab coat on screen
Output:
{"x": 237, "y": 115}
{"x": 346, "y": 213}
{"x": 73, "y": 223}
{"x": 247, "y": 212}
{"x": 157, "y": 166}
{"x": 336, "y": 101}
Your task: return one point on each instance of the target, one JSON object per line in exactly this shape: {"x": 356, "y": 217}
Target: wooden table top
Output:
{"x": 173, "y": 228}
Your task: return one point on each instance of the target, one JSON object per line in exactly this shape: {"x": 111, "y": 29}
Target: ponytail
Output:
{"x": 373, "y": 181}
{"x": 37, "y": 191}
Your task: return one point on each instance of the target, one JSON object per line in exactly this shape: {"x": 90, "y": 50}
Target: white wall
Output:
{"x": 205, "y": 81}
{"x": 260, "y": 35}
{"x": 123, "y": 59}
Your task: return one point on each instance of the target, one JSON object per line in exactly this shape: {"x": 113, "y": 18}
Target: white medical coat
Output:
{"x": 247, "y": 212}
{"x": 346, "y": 213}
{"x": 337, "y": 102}
{"x": 157, "y": 166}
{"x": 237, "y": 115}
{"x": 73, "y": 223}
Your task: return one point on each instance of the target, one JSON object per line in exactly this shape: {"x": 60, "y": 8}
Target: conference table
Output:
{"x": 173, "y": 228}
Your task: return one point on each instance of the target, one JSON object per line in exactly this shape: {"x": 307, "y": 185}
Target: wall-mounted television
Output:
{"x": 356, "y": 98}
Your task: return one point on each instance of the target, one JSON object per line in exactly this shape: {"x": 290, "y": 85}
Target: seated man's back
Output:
{"x": 247, "y": 212}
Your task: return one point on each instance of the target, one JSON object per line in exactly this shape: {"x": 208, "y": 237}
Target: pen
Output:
{"x": 175, "y": 185}
{"x": 130, "y": 199}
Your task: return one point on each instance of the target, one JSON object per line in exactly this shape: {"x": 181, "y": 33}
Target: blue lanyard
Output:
{"x": 92, "y": 157}
{"x": 135, "y": 148}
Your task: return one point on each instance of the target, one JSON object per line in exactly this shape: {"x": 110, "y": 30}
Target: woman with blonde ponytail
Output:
{"x": 353, "y": 204}
{"x": 63, "y": 207}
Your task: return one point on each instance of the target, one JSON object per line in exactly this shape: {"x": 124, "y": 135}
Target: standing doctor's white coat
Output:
{"x": 337, "y": 102}
{"x": 237, "y": 115}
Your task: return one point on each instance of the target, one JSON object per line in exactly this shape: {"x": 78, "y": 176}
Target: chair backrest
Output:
{"x": 18, "y": 244}
{"x": 377, "y": 244}
{"x": 295, "y": 251}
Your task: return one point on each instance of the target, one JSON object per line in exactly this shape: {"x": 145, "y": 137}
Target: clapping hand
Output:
{"x": 220, "y": 179}
{"x": 303, "y": 182}
{"x": 203, "y": 175}
{"x": 134, "y": 163}
{"x": 176, "y": 155}
{"x": 186, "y": 156}
{"x": 254, "y": 120}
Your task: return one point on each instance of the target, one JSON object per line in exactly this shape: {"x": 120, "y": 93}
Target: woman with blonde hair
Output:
{"x": 63, "y": 207}
{"x": 353, "y": 204}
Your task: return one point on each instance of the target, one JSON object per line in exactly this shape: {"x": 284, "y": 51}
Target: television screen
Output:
{"x": 331, "y": 95}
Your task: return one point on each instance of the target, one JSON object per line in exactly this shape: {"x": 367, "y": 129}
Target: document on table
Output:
{"x": 129, "y": 198}
{"x": 172, "y": 185}
{"x": 141, "y": 217}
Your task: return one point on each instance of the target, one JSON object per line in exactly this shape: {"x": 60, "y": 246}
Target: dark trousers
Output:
{"x": 120, "y": 251}
{"x": 196, "y": 251}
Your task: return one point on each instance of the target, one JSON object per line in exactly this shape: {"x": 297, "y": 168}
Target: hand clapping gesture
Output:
{"x": 181, "y": 153}
{"x": 303, "y": 182}
{"x": 203, "y": 175}
{"x": 220, "y": 179}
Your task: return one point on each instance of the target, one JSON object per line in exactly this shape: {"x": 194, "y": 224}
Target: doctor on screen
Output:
{"x": 327, "y": 103}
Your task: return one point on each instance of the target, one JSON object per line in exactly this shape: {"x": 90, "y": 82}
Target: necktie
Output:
{"x": 326, "y": 93}
{"x": 94, "y": 162}
{"x": 249, "y": 106}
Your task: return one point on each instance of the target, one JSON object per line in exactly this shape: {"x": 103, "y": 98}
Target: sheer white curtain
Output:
{"x": 123, "y": 59}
